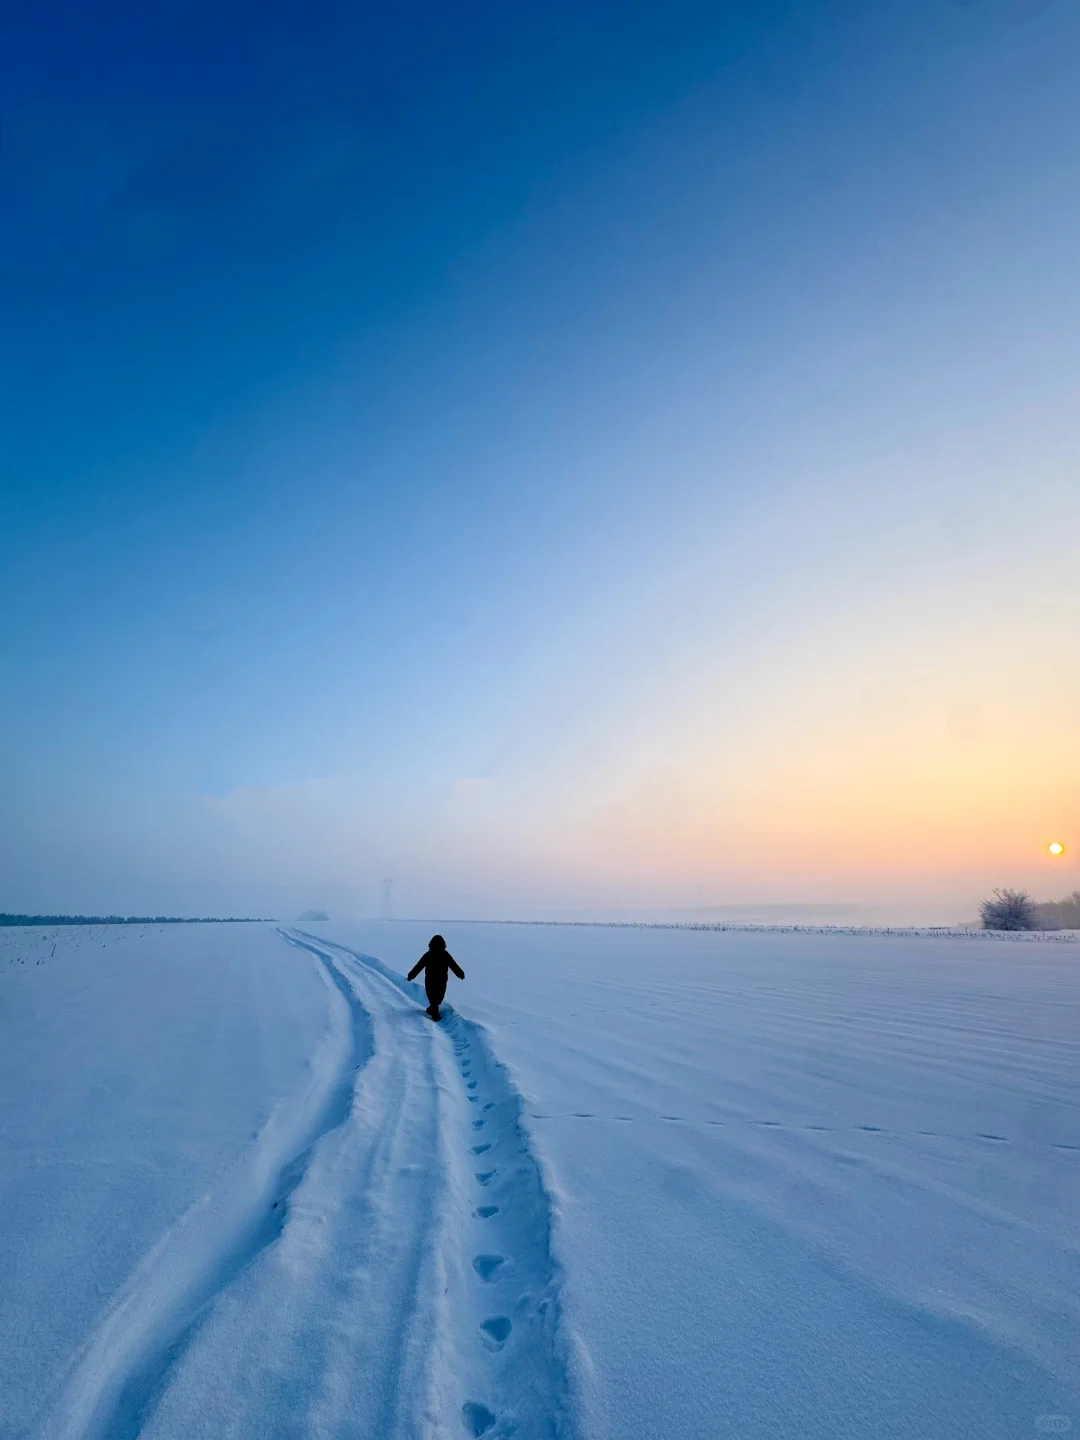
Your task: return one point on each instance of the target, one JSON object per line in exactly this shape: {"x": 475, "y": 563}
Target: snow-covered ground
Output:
{"x": 639, "y": 1183}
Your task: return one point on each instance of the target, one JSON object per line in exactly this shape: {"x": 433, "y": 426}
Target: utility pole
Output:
{"x": 388, "y": 899}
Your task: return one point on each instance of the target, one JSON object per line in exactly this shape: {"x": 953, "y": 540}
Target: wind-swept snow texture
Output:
{"x": 152, "y": 1081}
{"x": 636, "y": 1184}
{"x": 811, "y": 1186}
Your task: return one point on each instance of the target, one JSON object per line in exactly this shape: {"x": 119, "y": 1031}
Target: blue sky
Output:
{"x": 564, "y": 456}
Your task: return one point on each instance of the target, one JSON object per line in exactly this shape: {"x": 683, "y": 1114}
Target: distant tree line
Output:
{"x": 126, "y": 920}
{"x": 1017, "y": 910}
{"x": 1061, "y": 914}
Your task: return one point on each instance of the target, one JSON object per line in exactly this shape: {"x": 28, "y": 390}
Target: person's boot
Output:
{"x": 433, "y": 1011}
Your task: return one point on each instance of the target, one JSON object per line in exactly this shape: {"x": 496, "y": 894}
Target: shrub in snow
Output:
{"x": 1009, "y": 910}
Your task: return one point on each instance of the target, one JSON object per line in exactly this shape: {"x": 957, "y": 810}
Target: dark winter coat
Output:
{"x": 435, "y": 964}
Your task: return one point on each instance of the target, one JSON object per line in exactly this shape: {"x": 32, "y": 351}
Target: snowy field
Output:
{"x": 638, "y": 1183}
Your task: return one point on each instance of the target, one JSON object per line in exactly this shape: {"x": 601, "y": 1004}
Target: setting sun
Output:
{"x": 1056, "y": 848}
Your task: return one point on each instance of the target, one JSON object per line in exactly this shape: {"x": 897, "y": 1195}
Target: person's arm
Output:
{"x": 417, "y": 968}
{"x": 458, "y": 971}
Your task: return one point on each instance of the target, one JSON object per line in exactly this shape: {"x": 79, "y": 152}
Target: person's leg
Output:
{"x": 435, "y": 994}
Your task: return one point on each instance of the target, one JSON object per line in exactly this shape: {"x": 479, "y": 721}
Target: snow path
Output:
{"x": 120, "y": 1370}
{"x": 411, "y": 1291}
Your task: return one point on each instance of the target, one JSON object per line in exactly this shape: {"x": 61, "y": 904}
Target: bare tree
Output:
{"x": 1009, "y": 910}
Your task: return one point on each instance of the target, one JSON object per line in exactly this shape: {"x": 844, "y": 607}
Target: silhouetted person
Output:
{"x": 435, "y": 963}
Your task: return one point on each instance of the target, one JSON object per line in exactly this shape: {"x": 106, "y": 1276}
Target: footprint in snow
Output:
{"x": 497, "y": 1329}
{"x": 485, "y": 1212}
{"x": 488, "y": 1267}
{"x": 478, "y": 1418}
{"x": 478, "y": 1124}
{"x": 480, "y": 1149}
{"x": 485, "y": 1175}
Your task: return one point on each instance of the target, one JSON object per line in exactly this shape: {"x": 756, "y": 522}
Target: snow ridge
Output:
{"x": 118, "y": 1375}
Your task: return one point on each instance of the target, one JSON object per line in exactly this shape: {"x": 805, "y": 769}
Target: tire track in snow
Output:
{"x": 487, "y": 1344}
{"x": 335, "y": 1332}
{"x": 117, "y": 1376}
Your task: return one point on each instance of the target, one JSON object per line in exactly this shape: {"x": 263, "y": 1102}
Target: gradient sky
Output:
{"x": 569, "y": 457}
